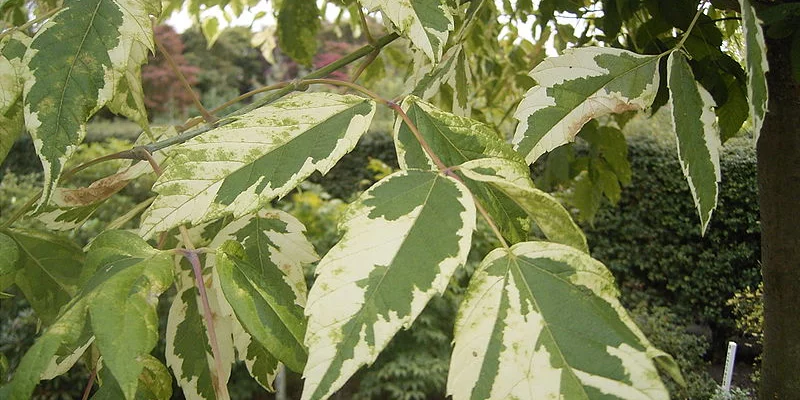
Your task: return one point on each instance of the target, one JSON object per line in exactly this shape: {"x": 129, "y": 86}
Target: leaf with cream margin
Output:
{"x": 13, "y": 46}
{"x": 76, "y": 61}
{"x": 260, "y": 266}
{"x": 121, "y": 294}
{"x": 188, "y": 350}
{"x": 155, "y": 382}
{"x": 542, "y": 320}
{"x": 573, "y": 88}
{"x": 456, "y": 140}
{"x": 48, "y": 270}
{"x": 551, "y": 217}
{"x": 755, "y": 59}
{"x": 263, "y": 154}
{"x": 426, "y": 23}
{"x": 695, "y": 127}
{"x": 69, "y": 208}
{"x": 403, "y": 239}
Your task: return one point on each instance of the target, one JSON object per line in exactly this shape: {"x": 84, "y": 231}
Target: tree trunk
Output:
{"x": 779, "y": 200}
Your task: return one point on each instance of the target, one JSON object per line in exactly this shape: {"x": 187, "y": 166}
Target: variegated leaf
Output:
{"x": 543, "y": 321}
{"x": 12, "y": 71}
{"x": 403, "y": 239}
{"x": 755, "y": 58}
{"x": 76, "y": 61}
{"x": 261, "y": 155}
{"x": 66, "y": 331}
{"x": 125, "y": 276}
{"x": 262, "y": 366}
{"x": 188, "y": 350}
{"x": 695, "y": 127}
{"x": 48, "y": 270}
{"x": 426, "y": 23}
{"x": 128, "y": 97}
{"x": 551, "y": 217}
{"x": 261, "y": 274}
{"x": 456, "y": 140}
{"x": 577, "y": 86}
{"x": 128, "y": 279}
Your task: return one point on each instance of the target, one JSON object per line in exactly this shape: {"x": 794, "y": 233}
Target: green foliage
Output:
{"x": 651, "y": 243}
{"x": 538, "y": 319}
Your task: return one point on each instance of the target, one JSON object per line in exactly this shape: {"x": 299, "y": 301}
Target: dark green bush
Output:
{"x": 651, "y": 241}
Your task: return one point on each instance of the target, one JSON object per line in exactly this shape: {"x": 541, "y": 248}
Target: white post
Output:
{"x": 727, "y": 377}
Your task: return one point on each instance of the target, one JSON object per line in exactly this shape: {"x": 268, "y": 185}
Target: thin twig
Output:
{"x": 89, "y": 384}
{"x": 195, "y": 99}
{"x": 691, "y": 26}
{"x": 365, "y": 26}
{"x": 31, "y": 22}
{"x": 366, "y": 63}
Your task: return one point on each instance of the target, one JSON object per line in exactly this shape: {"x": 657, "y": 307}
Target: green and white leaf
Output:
{"x": 755, "y": 58}
{"x": 456, "y": 140}
{"x": 129, "y": 277}
{"x": 695, "y": 127}
{"x": 128, "y": 97}
{"x": 403, "y": 239}
{"x": 188, "y": 351}
{"x": 9, "y": 257}
{"x": 581, "y": 84}
{"x": 76, "y": 61}
{"x": 12, "y": 71}
{"x": 260, "y": 265}
{"x": 551, "y": 217}
{"x": 426, "y": 23}
{"x": 66, "y": 331}
{"x": 543, "y": 321}
{"x": 126, "y": 276}
{"x": 262, "y": 366}
{"x": 263, "y": 154}
{"x": 47, "y": 271}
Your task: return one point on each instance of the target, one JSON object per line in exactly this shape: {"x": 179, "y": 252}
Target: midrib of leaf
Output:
{"x": 72, "y": 66}
{"x": 36, "y": 261}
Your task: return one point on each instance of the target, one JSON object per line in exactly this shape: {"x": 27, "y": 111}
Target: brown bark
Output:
{"x": 779, "y": 200}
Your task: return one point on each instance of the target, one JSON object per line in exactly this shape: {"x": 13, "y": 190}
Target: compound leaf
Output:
{"x": 261, "y": 155}
{"x": 456, "y": 140}
{"x": 543, "y": 320}
{"x": 577, "y": 86}
{"x": 403, "y": 239}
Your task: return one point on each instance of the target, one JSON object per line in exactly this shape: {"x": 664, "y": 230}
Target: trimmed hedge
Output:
{"x": 651, "y": 241}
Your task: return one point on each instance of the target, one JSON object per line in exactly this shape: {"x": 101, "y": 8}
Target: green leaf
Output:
{"x": 733, "y": 113}
{"x": 698, "y": 139}
{"x": 426, "y": 23}
{"x": 155, "y": 382}
{"x": 403, "y": 239}
{"x": 755, "y": 58}
{"x": 188, "y": 351}
{"x": 260, "y": 363}
{"x": 9, "y": 255}
{"x": 76, "y": 60}
{"x": 12, "y": 71}
{"x": 298, "y": 24}
{"x": 261, "y": 275}
{"x": 123, "y": 310}
{"x": 261, "y": 155}
{"x": 64, "y": 332}
{"x": 456, "y": 140}
{"x": 48, "y": 270}
{"x": 551, "y": 217}
{"x": 543, "y": 320}
{"x": 582, "y": 84}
